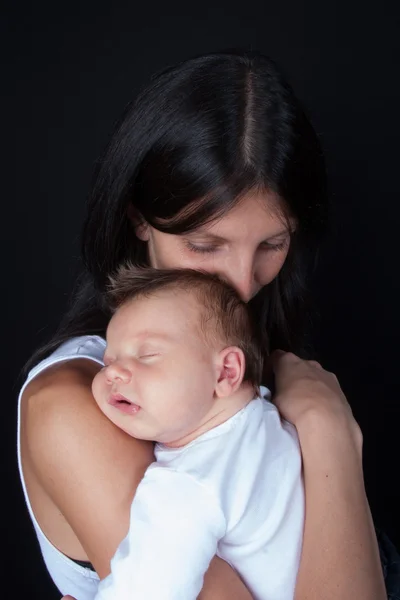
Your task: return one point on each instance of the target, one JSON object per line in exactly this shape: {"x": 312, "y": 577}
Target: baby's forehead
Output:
{"x": 160, "y": 313}
{"x": 181, "y": 299}
{"x": 183, "y": 303}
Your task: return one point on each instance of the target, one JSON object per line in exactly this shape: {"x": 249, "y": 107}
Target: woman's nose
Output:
{"x": 117, "y": 373}
{"x": 246, "y": 289}
{"x": 242, "y": 279}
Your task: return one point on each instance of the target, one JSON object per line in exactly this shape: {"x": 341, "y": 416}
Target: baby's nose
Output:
{"x": 116, "y": 372}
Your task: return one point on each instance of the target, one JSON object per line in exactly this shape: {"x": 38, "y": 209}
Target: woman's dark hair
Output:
{"x": 197, "y": 138}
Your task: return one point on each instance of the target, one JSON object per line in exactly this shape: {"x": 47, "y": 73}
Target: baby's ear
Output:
{"x": 231, "y": 368}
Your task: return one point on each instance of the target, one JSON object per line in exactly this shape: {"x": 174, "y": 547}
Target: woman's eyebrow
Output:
{"x": 278, "y": 235}
{"x": 210, "y": 236}
{"x": 217, "y": 238}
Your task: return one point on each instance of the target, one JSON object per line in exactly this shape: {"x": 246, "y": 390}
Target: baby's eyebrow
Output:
{"x": 145, "y": 336}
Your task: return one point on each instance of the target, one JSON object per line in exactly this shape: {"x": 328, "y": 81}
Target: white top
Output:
{"x": 235, "y": 491}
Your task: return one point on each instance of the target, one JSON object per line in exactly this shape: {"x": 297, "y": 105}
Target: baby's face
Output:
{"x": 160, "y": 375}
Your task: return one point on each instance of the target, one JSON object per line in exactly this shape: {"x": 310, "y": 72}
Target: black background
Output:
{"x": 67, "y": 72}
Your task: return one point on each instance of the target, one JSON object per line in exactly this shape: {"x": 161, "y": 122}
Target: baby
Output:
{"x": 183, "y": 364}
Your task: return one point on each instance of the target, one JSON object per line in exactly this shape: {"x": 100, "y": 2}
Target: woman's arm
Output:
{"x": 340, "y": 556}
{"x": 91, "y": 469}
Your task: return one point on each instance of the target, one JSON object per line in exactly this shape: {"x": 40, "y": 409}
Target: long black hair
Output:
{"x": 198, "y": 137}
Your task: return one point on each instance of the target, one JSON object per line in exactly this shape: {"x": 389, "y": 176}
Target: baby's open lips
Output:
{"x": 123, "y": 404}
{"x": 116, "y": 399}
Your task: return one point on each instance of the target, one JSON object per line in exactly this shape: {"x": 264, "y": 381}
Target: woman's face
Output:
{"x": 246, "y": 247}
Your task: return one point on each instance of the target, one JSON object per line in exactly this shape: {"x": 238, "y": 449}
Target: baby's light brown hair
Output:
{"x": 223, "y": 315}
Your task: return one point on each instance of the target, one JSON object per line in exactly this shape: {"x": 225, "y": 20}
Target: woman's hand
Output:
{"x": 305, "y": 391}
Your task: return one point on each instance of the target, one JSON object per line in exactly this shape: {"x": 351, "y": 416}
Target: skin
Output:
{"x": 340, "y": 555}
{"x": 71, "y": 496}
{"x": 157, "y": 359}
{"x": 247, "y": 247}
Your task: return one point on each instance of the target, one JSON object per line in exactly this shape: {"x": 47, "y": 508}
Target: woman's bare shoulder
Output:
{"x": 62, "y": 422}
{"x": 60, "y": 376}
{"x": 86, "y": 465}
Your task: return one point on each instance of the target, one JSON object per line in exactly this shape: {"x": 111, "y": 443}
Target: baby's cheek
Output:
{"x": 98, "y": 386}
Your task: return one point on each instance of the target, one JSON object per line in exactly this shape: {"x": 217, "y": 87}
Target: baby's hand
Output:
{"x": 304, "y": 390}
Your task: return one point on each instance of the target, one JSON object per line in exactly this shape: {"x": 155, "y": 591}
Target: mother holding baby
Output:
{"x": 215, "y": 167}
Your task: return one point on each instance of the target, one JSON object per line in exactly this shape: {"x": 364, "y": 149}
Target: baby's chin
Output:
{"x": 132, "y": 428}
{"x": 131, "y": 424}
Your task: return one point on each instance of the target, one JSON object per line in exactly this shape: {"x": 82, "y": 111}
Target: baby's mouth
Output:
{"x": 123, "y": 404}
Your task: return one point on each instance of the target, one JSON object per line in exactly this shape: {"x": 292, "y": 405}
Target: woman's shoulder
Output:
{"x": 57, "y": 405}
{"x": 68, "y": 369}
{"x": 74, "y": 455}
{"x": 90, "y": 347}
{"x": 69, "y": 356}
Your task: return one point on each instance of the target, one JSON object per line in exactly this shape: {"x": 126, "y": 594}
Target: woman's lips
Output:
{"x": 123, "y": 404}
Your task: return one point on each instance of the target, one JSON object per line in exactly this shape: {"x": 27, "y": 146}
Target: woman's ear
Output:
{"x": 140, "y": 226}
{"x": 231, "y": 368}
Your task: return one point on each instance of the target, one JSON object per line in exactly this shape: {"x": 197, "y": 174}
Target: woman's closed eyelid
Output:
{"x": 275, "y": 245}
{"x": 202, "y": 248}
{"x": 266, "y": 245}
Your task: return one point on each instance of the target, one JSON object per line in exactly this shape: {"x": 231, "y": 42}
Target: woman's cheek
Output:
{"x": 166, "y": 253}
{"x": 271, "y": 268}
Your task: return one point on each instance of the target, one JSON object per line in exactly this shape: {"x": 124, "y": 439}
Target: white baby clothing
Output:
{"x": 235, "y": 491}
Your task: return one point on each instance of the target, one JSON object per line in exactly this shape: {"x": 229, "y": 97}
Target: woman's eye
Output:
{"x": 201, "y": 249}
{"x": 274, "y": 247}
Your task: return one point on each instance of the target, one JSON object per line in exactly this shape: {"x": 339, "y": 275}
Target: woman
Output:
{"x": 214, "y": 166}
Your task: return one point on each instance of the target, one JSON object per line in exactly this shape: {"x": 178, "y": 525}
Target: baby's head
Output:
{"x": 181, "y": 351}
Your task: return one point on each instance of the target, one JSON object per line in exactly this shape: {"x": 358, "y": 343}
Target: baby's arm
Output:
{"x": 175, "y": 525}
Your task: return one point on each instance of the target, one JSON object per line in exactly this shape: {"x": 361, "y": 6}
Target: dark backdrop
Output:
{"x": 67, "y": 73}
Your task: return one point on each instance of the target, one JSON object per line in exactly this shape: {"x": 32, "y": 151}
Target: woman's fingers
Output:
{"x": 288, "y": 358}
{"x": 315, "y": 364}
{"x": 277, "y": 357}
{"x": 304, "y": 387}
